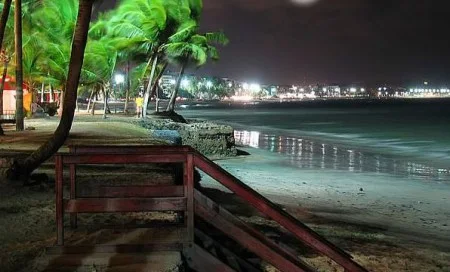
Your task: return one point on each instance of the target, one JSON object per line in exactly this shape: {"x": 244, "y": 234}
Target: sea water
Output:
{"x": 407, "y": 138}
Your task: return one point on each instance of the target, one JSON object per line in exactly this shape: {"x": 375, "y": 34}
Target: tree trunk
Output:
{"x": 19, "y": 63}
{"x": 42, "y": 92}
{"x": 95, "y": 101}
{"x": 61, "y": 103}
{"x": 2, "y": 85}
{"x": 127, "y": 93}
{"x": 173, "y": 98}
{"x": 155, "y": 91}
{"x": 149, "y": 87}
{"x": 105, "y": 99}
{"x": 4, "y": 20}
{"x": 51, "y": 93}
{"x": 90, "y": 98}
{"x": 24, "y": 167}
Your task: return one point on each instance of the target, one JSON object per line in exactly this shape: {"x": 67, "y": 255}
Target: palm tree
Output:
{"x": 196, "y": 48}
{"x": 148, "y": 24}
{"x": 19, "y": 69}
{"x": 24, "y": 167}
{"x": 4, "y": 20}
{"x": 5, "y": 59}
{"x": 101, "y": 59}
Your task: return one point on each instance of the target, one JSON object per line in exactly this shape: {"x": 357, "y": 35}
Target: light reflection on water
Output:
{"x": 309, "y": 154}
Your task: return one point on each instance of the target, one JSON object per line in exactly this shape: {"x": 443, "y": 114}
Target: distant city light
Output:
{"x": 245, "y": 86}
{"x": 255, "y": 87}
{"x": 242, "y": 98}
{"x": 119, "y": 78}
{"x": 425, "y": 83}
{"x": 324, "y": 90}
{"x": 363, "y": 90}
{"x": 230, "y": 84}
{"x": 353, "y": 90}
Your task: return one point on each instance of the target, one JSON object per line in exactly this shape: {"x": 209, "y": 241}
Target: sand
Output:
{"x": 387, "y": 224}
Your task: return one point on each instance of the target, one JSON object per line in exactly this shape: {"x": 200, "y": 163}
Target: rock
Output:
{"x": 361, "y": 189}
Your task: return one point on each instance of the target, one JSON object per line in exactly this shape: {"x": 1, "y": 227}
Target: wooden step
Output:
{"x": 155, "y": 261}
{"x": 129, "y": 236}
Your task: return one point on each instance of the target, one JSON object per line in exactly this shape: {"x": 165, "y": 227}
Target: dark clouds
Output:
{"x": 345, "y": 40}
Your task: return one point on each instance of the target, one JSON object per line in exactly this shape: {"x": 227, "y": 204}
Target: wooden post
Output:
{"x": 59, "y": 200}
{"x": 73, "y": 193}
{"x": 189, "y": 170}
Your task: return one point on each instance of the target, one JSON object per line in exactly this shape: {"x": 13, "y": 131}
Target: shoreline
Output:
{"x": 428, "y": 161}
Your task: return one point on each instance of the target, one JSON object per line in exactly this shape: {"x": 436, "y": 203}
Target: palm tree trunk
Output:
{"x": 90, "y": 98}
{"x": 51, "y": 93}
{"x": 173, "y": 98}
{"x": 4, "y": 20}
{"x": 24, "y": 167}
{"x": 127, "y": 93}
{"x": 155, "y": 92}
{"x": 19, "y": 63}
{"x": 2, "y": 85}
{"x": 105, "y": 99}
{"x": 149, "y": 87}
{"x": 42, "y": 92}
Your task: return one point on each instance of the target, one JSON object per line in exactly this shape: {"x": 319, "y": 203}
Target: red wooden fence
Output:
{"x": 183, "y": 199}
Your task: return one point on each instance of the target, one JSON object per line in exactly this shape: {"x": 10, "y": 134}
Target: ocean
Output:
{"x": 404, "y": 138}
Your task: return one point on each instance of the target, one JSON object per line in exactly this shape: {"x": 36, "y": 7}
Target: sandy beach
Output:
{"x": 388, "y": 223}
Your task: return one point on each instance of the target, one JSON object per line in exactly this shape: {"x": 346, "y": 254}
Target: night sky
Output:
{"x": 334, "y": 41}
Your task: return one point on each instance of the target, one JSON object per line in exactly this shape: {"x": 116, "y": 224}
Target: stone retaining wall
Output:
{"x": 209, "y": 138}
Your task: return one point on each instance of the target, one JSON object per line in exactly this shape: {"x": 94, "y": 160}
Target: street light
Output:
{"x": 209, "y": 84}
{"x": 185, "y": 83}
{"x": 119, "y": 78}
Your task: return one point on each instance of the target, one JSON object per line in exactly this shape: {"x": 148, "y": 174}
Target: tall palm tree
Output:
{"x": 194, "y": 49}
{"x": 24, "y": 167}
{"x": 5, "y": 26}
{"x": 4, "y": 20}
{"x": 19, "y": 69}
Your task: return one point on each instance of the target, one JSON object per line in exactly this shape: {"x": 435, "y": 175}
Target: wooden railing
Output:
{"x": 189, "y": 200}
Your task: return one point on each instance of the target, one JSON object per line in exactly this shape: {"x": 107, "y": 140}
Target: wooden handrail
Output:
{"x": 268, "y": 208}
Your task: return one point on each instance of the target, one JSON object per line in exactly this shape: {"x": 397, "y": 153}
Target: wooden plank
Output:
{"x": 59, "y": 201}
{"x": 284, "y": 252}
{"x": 250, "y": 232}
{"x": 189, "y": 184}
{"x": 141, "y": 191}
{"x": 124, "y": 149}
{"x": 201, "y": 261}
{"x": 246, "y": 240}
{"x": 73, "y": 193}
{"x": 122, "y": 158}
{"x": 84, "y": 205}
{"x": 268, "y": 208}
{"x": 121, "y": 248}
{"x": 241, "y": 264}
